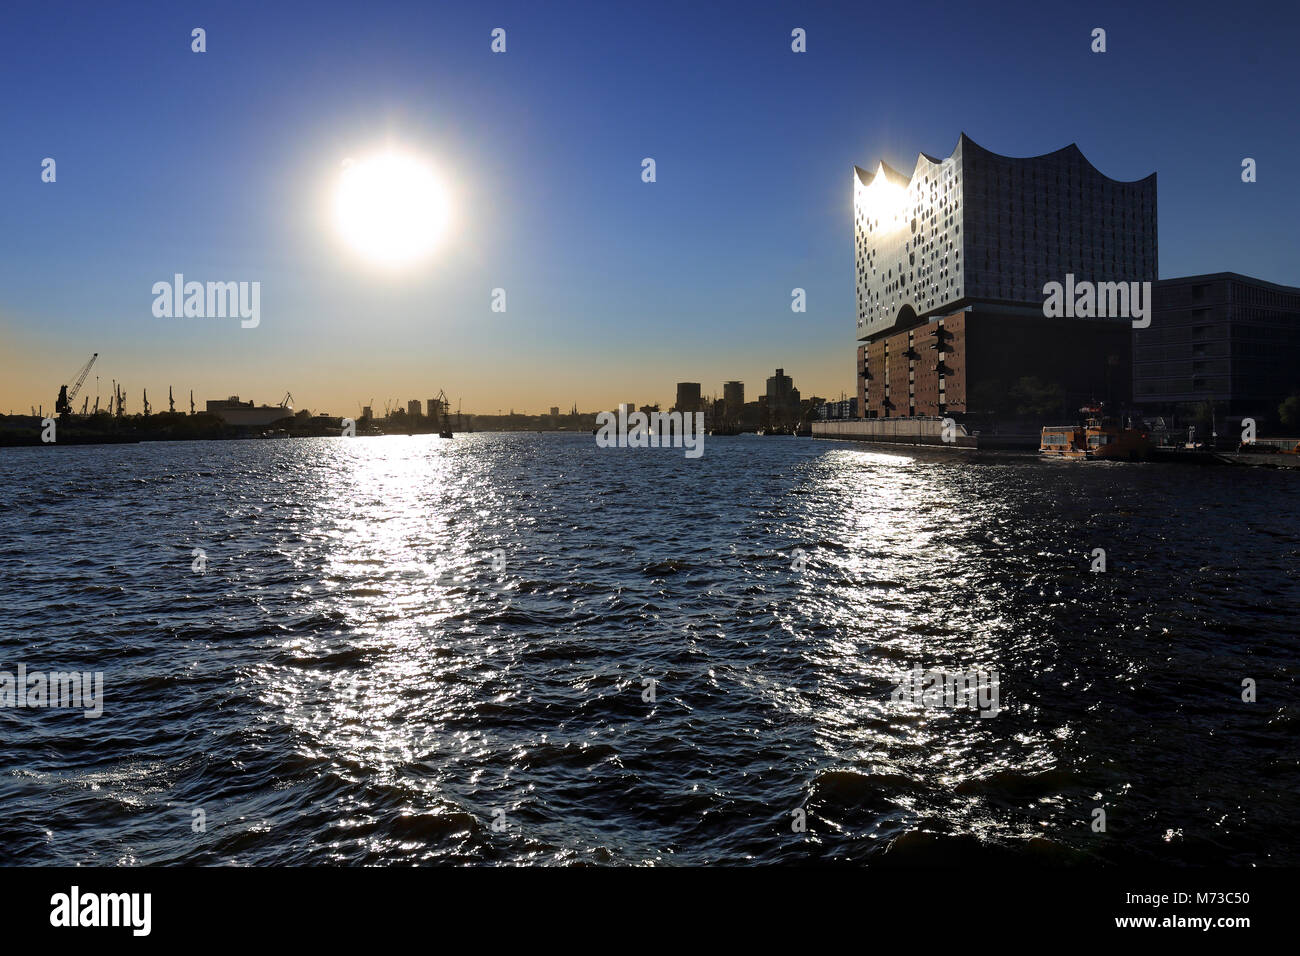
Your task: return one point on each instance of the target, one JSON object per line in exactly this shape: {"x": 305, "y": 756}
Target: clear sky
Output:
{"x": 219, "y": 165}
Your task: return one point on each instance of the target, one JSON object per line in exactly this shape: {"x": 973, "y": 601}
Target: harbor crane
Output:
{"x": 66, "y": 394}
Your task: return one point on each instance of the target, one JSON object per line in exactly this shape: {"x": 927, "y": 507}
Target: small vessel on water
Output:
{"x": 443, "y": 405}
{"x": 1098, "y": 438}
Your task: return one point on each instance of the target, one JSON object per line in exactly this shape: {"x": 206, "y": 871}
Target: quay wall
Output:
{"x": 894, "y": 431}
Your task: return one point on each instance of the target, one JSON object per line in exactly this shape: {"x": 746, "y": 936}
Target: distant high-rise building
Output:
{"x": 555, "y": 411}
{"x": 413, "y": 408}
{"x": 733, "y": 398}
{"x": 367, "y": 412}
{"x": 688, "y": 397}
{"x": 782, "y": 397}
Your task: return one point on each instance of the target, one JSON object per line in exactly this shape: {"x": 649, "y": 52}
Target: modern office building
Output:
{"x": 1224, "y": 338}
{"x": 951, "y": 267}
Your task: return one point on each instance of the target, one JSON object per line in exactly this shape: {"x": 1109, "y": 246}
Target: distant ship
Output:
{"x": 245, "y": 414}
{"x": 443, "y": 408}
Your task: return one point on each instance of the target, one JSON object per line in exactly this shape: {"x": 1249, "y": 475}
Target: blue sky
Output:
{"x": 218, "y": 165}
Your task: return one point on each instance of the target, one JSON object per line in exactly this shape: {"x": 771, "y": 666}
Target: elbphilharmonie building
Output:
{"x": 951, "y": 264}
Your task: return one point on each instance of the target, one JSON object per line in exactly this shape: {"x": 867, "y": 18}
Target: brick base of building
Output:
{"x": 970, "y": 363}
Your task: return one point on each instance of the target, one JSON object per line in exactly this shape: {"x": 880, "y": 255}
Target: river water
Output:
{"x": 528, "y": 649}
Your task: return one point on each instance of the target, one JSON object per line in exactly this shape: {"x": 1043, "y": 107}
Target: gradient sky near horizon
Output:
{"x": 218, "y": 165}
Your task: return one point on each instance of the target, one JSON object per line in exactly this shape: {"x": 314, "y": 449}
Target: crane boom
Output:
{"x": 81, "y": 378}
{"x": 64, "y": 405}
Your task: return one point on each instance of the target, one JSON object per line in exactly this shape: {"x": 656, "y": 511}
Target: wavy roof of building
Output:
{"x": 924, "y": 161}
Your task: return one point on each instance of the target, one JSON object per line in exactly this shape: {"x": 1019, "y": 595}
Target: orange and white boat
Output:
{"x": 1098, "y": 438}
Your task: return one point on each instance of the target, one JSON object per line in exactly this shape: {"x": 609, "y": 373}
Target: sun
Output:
{"x": 391, "y": 209}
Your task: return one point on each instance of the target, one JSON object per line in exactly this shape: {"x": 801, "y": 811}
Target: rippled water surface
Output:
{"x": 406, "y": 650}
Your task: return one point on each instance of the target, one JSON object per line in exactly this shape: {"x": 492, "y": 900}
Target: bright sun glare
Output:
{"x": 391, "y": 209}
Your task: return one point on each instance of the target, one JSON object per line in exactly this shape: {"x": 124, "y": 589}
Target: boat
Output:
{"x": 247, "y": 415}
{"x": 444, "y": 415}
{"x": 1098, "y": 439}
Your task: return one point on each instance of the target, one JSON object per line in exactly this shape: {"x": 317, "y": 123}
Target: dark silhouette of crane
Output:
{"x": 64, "y": 404}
